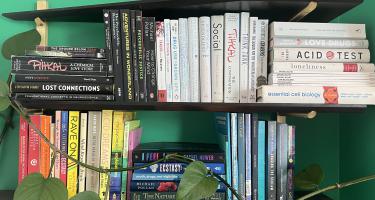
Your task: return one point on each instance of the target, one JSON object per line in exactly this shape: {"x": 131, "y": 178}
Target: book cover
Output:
{"x": 117, "y": 57}
{"x": 282, "y": 161}
{"x": 64, "y": 145}
{"x": 51, "y": 153}
{"x": 297, "y": 67}
{"x": 149, "y": 56}
{"x": 241, "y": 154}
{"x": 105, "y": 149}
{"x": 140, "y": 58}
{"x": 82, "y": 152}
{"x": 261, "y": 160}
{"x": 291, "y": 161}
{"x": 134, "y": 140}
{"x": 244, "y": 57}
{"x": 248, "y": 176}
{"x": 205, "y": 59}
{"x": 168, "y": 59}
{"x": 169, "y": 196}
{"x": 134, "y": 51}
{"x": 283, "y": 42}
{"x": 33, "y": 146}
{"x": 57, "y": 142}
{"x": 62, "y": 78}
{"x": 45, "y": 128}
{"x": 271, "y": 161}
{"x": 253, "y": 59}
{"x": 254, "y": 156}
{"x": 160, "y": 62}
{"x": 184, "y": 59}
{"x": 175, "y": 61}
{"x": 263, "y": 53}
{"x": 73, "y": 146}
{"x": 71, "y": 88}
{"x": 234, "y": 146}
{"x": 217, "y": 57}
{"x": 23, "y": 149}
{"x": 193, "y": 49}
{"x": 108, "y": 40}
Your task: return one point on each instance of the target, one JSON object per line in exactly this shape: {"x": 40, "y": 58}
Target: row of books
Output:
{"x": 104, "y": 139}
{"x": 260, "y": 156}
{"x": 319, "y": 63}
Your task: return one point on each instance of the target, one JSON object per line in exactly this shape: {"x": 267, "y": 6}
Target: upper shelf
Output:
{"x": 280, "y": 10}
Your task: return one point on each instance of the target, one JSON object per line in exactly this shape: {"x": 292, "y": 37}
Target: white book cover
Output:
{"x": 317, "y": 94}
{"x": 193, "y": 36}
{"x": 319, "y": 55}
{"x": 263, "y": 53}
{"x": 82, "y": 152}
{"x": 321, "y": 67}
{"x": 52, "y": 140}
{"x": 205, "y": 58}
{"x": 317, "y": 30}
{"x": 160, "y": 62}
{"x": 217, "y": 57}
{"x": 175, "y": 55}
{"x": 232, "y": 57}
{"x": 253, "y": 55}
{"x": 168, "y": 59}
{"x": 184, "y": 59}
{"x": 57, "y": 142}
{"x": 327, "y": 43}
{"x": 244, "y": 57}
{"x": 93, "y": 147}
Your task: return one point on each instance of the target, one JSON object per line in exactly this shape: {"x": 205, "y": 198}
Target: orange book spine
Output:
{"x": 44, "y": 148}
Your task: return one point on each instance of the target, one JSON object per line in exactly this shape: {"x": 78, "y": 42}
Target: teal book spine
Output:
{"x": 261, "y": 160}
{"x": 234, "y": 151}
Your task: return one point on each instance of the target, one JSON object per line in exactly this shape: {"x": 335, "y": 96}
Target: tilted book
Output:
{"x": 64, "y": 145}
{"x": 328, "y": 43}
{"x": 184, "y": 59}
{"x": 168, "y": 59}
{"x": 193, "y": 53}
{"x": 253, "y": 59}
{"x": 82, "y": 152}
{"x": 33, "y": 161}
{"x": 23, "y": 149}
{"x": 205, "y": 59}
{"x": 175, "y": 61}
{"x": 105, "y": 149}
{"x": 73, "y": 146}
{"x": 160, "y": 62}
{"x": 244, "y": 57}
{"x": 295, "y": 67}
{"x": 134, "y": 140}
{"x": 51, "y": 153}
{"x": 217, "y": 57}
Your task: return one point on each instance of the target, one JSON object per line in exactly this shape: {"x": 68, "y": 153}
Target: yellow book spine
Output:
{"x": 73, "y": 146}
{"x": 105, "y": 150}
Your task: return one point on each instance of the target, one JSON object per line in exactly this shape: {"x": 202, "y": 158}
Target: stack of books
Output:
{"x": 319, "y": 63}
{"x": 260, "y": 155}
{"x": 62, "y": 73}
{"x": 99, "y": 138}
{"x": 160, "y": 181}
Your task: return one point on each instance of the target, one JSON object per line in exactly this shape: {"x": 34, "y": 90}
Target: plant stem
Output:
{"x": 227, "y": 185}
{"x": 339, "y": 186}
{"x": 8, "y": 123}
{"x": 52, "y": 164}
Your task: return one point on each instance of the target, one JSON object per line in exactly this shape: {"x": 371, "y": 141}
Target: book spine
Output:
{"x": 33, "y": 165}
{"x": 73, "y": 52}
{"x": 175, "y": 61}
{"x": 261, "y": 160}
{"x": 175, "y": 168}
{"x": 291, "y": 161}
{"x": 73, "y": 145}
{"x": 217, "y": 57}
{"x": 127, "y": 55}
{"x": 168, "y": 196}
{"x": 253, "y": 54}
{"x": 161, "y": 186}
{"x": 140, "y": 58}
{"x": 150, "y": 156}
{"x": 64, "y": 145}
{"x": 23, "y": 149}
{"x": 62, "y": 97}
{"x": 44, "y": 148}
{"x": 184, "y": 59}
{"x": 320, "y": 55}
{"x": 134, "y": 141}
{"x": 150, "y": 59}
{"x": 51, "y": 153}
{"x": 263, "y": 53}
{"x": 168, "y": 59}
{"x": 295, "y": 67}
{"x": 116, "y": 52}
{"x": 57, "y": 142}
{"x": 228, "y": 154}
{"x": 205, "y": 58}
{"x": 134, "y": 51}
{"x": 93, "y": 150}
{"x": 244, "y": 57}
{"x": 241, "y": 154}
{"x": 105, "y": 149}
{"x": 271, "y": 161}
{"x": 234, "y": 135}
{"x": 193, "y": 36}
{"x": 160, "y": 62}
{"x": 108, "y": 40}
{"x": 232, "y": 58}
{"x": 281, "y": 161}
{"x": 62, "y": 78}
{"x": 282, "y": 42}
{"x": 46, "y": 87}
{"x": 248, "y": 130}
{"x": 254, "y": 156}
{"x": 82, "y": 152}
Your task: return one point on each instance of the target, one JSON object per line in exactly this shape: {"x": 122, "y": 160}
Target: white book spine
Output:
{"x": 52, "y": 140}
{"x": 184, "y": 60}
{"x": 217, "y": 57}
{"x": 244, "y": 57}
{"x": 317, "y": 94}
{"x": 160, "y": 61}
{"x": 93, "y": 147}
{"x": 263, "y": 53}
{"x": 252, "y": 59}
{"x": 193, "y": 36}
{"x": 319, "y": 30}
{"x": 321, "y": 67}
{"x": 82, "y": 152}
{"x": 175, "y": 49}
{"x": 57, "y": 142}
{"x": 320, "y": 55}
{"x": 283, "y": 42}
{"x": 205, "y": 58}
{"x": 168, "y": 59}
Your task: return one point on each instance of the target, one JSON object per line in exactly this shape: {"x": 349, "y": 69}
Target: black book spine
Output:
{"x": 150, "y": 57}
{"x": 116, "y": 52}
{"x": 134, "y": 54}
{"x": 271, "y": 161}
{"x": 108, "y": 40}
{"x": 254, "y": 155}
{"x": 69, "y": 88}
{"x": 291, "y": 161}
{"x": 281, "y": 158}
{"x": 140, "y": 59}
{"x": 73, "y": 52}
{"x": 62, "y": 97}
{"x": 62, "y": 78}
{"x": 126, "y": 55}
{"x": 150, "y": 156}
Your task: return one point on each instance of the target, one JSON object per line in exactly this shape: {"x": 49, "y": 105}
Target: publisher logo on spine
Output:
{"x": 330, "y": 55}
{"x": 330, "y": 95}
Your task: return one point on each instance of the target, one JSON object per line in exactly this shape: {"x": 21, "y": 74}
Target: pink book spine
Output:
{"x": 57, "y": 142}
{"x": 34, "y": 144}
{"x": 23, "y": 141}
{"x": 134, "y": 140}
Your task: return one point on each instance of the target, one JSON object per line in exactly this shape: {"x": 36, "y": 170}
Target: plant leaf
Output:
{"x": 309, "y": 178}
{"x": 87, "y": 195}
{"x": 17, "y": 44}
{"x": 195, "y": 184}
{"x": 4, "y": 99}
{"x": 35, "y": 187}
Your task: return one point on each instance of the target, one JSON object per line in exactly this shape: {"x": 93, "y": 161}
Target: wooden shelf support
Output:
{"x": 42, "y": 26}
{"x": 304, "y": 12}
{"x": 281, "y": 118}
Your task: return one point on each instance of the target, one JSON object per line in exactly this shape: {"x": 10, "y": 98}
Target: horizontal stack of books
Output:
{"x": 319, "y": 63}
{"x": 260, "y": 155}
{"x": 104, "y": 139}
{"x": 160, "y": 181}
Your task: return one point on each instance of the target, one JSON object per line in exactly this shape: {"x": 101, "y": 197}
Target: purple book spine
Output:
{"x": 134, "y": 140}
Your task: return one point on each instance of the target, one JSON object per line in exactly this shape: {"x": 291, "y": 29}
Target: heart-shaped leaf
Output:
{"x": 36, "y": 187}
{"x": 309, "y": 178}
{"x": 195, "y": 184}
{"x": 17, "y": 44}
{"x": 4, "y": 98}
{"x": 87, "y": 195}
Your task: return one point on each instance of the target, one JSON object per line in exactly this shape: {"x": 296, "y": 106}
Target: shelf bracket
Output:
{"x": 281, "y": 118}
{"x": 304, "y": 12}
{"x": 42, "y": 26}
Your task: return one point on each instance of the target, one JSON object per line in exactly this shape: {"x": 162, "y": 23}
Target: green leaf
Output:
{"x": 195, "y": 183}
{"x": 4, "y": 98}
{"x": 87, "y": 195}
{"x": 17, "y": 44}
{"x": 309, "y": 178}
{"x": 35, "y": 187}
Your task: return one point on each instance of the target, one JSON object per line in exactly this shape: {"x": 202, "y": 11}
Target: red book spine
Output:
{"x": 23, "y": 140}
{"x": 34, "y": 144}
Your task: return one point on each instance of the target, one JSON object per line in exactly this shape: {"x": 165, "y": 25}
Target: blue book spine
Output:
{"x": 261, "y": 160}
{"x": 241, "y": 153}
{"x": 64, "y": 144}
{"x": 234, "y": 151}
{"x": 161, "y": 186}
{"x": 176, "y": 168}
{"x": 156, "y": 177}
{"x": 248, "y": 156}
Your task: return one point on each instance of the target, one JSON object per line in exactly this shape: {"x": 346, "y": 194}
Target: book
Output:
{"x": 254, "y": 156}
{"x": 244, "y": 57}
{"x": 217, "y": 57}
{"x": 65, "y": 51}
{"x": 73, "y": 151}
{"x": 271, "y": 161}
{"x": 117, "y": 57}
{"x": 234, "y": 151}
{"x": 64, "y": 145}
{"x": 105, "y": 149}
{"x": 62, "y": 78}
{"x": 261, "y": 160}
{"x": 57, "y": 142}
{"x": 149, "y": 56}
{"x": 168, "y": 59}
{"x": 160, "y": 62}
{"x": 241, "y": 154}
{"x": 140, "y": 58}
{"x": 253, "y": 59}
{"x": 183, "y": 147}
{"x": 156, "y": 177}
{"x": 248, "y": 164}
{"x": 150, "y": 156}
{"x": 329, "y": 43}
{"x": 282, "y": 160}
{"x": 108, "y": 40}
{"x": 168, "y": 196}
{"x": 291, "y": 162}
{"x": 46, "y": 87}
{"x": 45, "y": 123}
{"x": 263, "y": 53}
{"x": 193, "y": 53}
{"x": 161, "y": 186}
{"x": 51, "y": 153}
{"x": 23, "y": 149}
{"x": 134, "y": 51}
{"x": 317, "y": 94}
{"x": 175, "y": 168}
{"x": 320, "y": 55}
{"x": 296, "y": 67}
{"x": 134, "y": 140}
{"x": 205, "y": 59}
{"x": 184, "y": 59}
{"x": 62, "y": 97}
{"x": 82, "y": 152}
{"x": 33, "y": 160}
{"x": 231, "y": 57}
{"x": 318, "y": 30}
{"x": 175, "y": 61}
